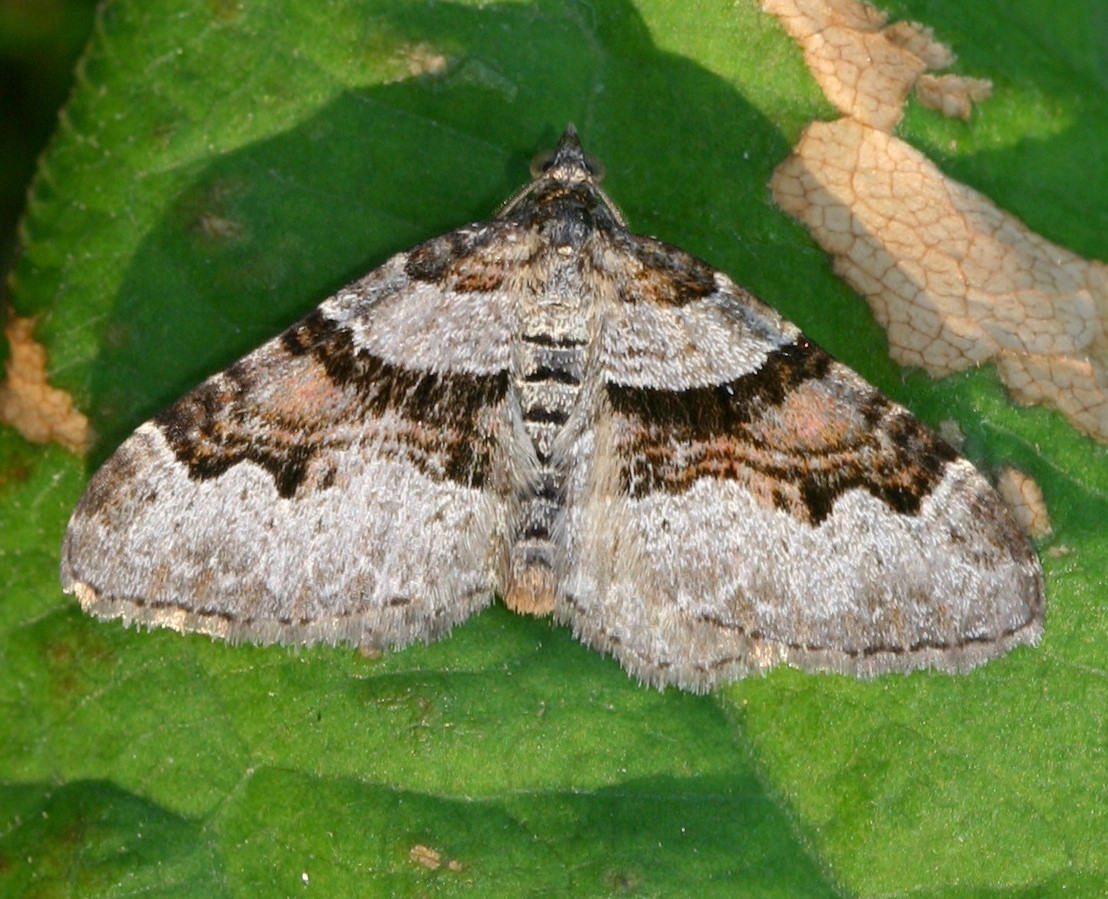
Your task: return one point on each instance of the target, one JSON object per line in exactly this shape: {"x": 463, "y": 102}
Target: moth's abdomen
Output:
{"x": 549, "y": 369}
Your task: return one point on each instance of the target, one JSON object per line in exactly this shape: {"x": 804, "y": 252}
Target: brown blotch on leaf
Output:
{"x": 1025, "y": 498}
{"x": 41, "y": 413}
{"x": 954, "y": 280}
{"x": 432, "y": 859}
{"x": 420, "y": 60}
{"x": 867, "y": 68}
{"x": 952, "y": 95}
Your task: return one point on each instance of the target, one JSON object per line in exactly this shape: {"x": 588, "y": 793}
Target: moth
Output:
{"x": 583, "y": 421}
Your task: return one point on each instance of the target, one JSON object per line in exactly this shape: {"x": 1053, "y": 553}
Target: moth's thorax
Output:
{"x": 565, "y": 214}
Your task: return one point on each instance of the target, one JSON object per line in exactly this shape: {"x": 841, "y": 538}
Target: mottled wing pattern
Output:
{"x": 583, "y": 420}
{"x": 347, "y": 481}
{"x": 761, "y": 504}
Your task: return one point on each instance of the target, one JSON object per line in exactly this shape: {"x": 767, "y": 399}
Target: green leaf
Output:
{"x": 219, "y": 169}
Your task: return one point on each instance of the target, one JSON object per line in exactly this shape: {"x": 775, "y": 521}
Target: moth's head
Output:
{"x": 567, "y": 161}
{"x": 565, "y": 178}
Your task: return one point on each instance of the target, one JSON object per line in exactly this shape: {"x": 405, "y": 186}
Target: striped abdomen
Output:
{"x": 550, "y": 363}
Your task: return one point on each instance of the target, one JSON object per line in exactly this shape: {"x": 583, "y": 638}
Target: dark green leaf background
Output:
{"x": 224, "y": 165}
